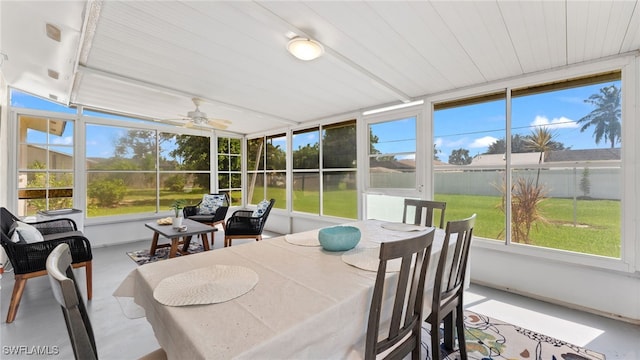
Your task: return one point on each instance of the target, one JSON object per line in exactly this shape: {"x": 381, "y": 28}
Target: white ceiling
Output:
{"x": 151, "y": 58}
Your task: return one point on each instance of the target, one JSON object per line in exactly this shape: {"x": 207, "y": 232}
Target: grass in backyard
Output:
{"x": 596, "y": 229}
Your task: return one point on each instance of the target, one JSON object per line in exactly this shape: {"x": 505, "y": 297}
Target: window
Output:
{"x": 45, "y": 164}
{"x": 230, "y": 168}
{"x": 121, "y": 170}
{"x": 326, "y": 187}
{"x": 306, "y": 170}
{"x": 469, "y": 160}
{"x": 558, "y": 168}
{"x": 266, "y": 169}
{"x": 339, "y": 170}
{"x": 392, "y": 154}
{"x": 185, "y": 173}
{"x": 132, "y": 170}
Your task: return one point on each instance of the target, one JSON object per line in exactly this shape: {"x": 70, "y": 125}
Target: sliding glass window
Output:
{"x": 557, "y": 172}
{"x": 326, "y": 187}
{"x": 131, "y": 170}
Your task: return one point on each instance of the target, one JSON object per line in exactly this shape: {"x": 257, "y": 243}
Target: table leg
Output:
{"x": 186, "y": 243}
{"x": 154, "y": 244}
{"x": 205, "y": 242}
{"x": 174, "y": 247}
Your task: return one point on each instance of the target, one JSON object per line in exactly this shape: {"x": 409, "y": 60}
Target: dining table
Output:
{"x": 304, "y": 303}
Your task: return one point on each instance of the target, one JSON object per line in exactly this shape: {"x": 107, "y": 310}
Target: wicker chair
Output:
{"x": 244, "y": 225}
{"x": 193, "y": 212}
{"x": 29, "y": 259}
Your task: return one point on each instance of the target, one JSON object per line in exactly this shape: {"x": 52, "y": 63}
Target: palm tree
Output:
{"x": 540, "y": 140}
{"x": 605, "y": 118}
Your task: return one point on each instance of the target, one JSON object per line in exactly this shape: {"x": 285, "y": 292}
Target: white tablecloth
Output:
{"x": 307, "y": 303}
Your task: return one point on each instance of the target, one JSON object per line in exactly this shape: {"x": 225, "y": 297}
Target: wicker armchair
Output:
{"x": 243, "y": 225}
{"x": 29, "y": 259}
{"x": 192, "y": 212}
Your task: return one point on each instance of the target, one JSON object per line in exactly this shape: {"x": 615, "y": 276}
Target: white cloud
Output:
{"x": 438, "y": 142}
{"x": 483, "y": 142}
{"x": 555, "y": 123}
{"x": 407, "y": 157}
{"x": 63, "y": 141}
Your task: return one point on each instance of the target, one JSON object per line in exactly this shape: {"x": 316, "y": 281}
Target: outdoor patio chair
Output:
{"x": 211, "y": 210}
{"x": 248, "y": 224}
{"x": 403, "y": 334}
{"x": 427, "y": 205}
{"x": 28, "y": 250}
{"x": 446, "y": 303}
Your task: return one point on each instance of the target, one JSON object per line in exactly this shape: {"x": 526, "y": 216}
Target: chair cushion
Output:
{"x": 202, "y": 218}
{"x": 13, "y": 234}
{"x": 261, "y": 208}
{"x": 26, "y": 233}
{"x": 211, "y": 203}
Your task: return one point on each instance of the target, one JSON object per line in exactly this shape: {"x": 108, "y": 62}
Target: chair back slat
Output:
{"x": 426, "y": 206}
{"x": 406, "y": 310}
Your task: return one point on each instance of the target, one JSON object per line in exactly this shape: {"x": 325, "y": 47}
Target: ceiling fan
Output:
{"x": 199, "y": 118}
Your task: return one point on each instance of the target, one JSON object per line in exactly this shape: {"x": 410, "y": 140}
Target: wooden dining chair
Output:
{"x": 404, "y": 330}
{"x": 67, "y": 294}
{"x": 446, "y": 303}
{"x": 419, "y": 206}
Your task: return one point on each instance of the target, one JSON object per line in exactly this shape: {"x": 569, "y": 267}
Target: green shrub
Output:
{"x": 175, "y": 182}
{"x": 107, "y": 192}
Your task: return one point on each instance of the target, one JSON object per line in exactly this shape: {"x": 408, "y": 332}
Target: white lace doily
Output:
{"x": 207, "y": 285}
{"x": 307, "y": 238}
{"x": 403, "y": 227}
{"x": 368, "y": 258}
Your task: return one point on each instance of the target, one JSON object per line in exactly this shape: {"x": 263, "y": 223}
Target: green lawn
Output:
{"x": 144, "y": 201}
{"x": 597, "y": 230}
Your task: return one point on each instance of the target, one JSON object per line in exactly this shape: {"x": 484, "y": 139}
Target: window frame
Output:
{"x": 630, "y": 256}
{"x": 420, "y": 154}
{"x": 80, "y": 155}
{"x": 242, "y": 171}
{"x": 16, "y": 113}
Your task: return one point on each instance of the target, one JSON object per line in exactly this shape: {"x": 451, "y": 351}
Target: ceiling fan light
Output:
{"x": 305, "y": 49}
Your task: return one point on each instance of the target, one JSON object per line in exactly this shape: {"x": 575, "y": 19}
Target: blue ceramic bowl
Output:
{"x": 339, "y": 238}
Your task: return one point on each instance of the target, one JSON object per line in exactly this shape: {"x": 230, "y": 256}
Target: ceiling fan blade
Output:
{"x": 217, "y": 124}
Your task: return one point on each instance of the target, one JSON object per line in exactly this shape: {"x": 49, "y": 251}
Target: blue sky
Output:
{"x": 472, "y": 127}
{"x": 475, "y": 127}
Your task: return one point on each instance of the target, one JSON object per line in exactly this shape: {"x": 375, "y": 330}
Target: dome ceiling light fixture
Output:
{"x": 305, "y": 49}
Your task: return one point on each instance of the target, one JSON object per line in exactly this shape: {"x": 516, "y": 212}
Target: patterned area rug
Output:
{"x": 142, "y": 257}
{"x": 488, "y": 338}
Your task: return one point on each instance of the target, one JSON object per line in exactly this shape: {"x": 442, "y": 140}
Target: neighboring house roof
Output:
{"x": 499, "y": 159}
{"x": 392, "y": 165}
{"x": 549, "y": 157}
{"x": 582, "y": 155}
